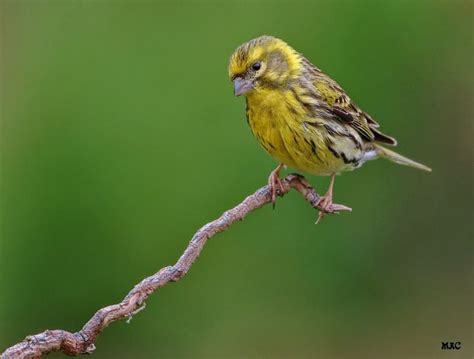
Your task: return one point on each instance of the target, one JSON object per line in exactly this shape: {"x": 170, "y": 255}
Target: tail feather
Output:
{"x": 397, "y": 158}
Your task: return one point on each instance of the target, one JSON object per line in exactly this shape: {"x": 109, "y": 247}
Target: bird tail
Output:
{"x": 397, "y": 158}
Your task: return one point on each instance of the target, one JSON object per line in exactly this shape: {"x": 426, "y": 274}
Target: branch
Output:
{"x": 82, "y": 342}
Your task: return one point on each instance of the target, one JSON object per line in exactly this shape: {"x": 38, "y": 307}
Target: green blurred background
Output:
{"x": 120, "y": 137}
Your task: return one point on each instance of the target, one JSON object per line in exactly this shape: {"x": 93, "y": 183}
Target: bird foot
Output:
{"x": 274, "y": 182}
{"x": 325, "y": 205}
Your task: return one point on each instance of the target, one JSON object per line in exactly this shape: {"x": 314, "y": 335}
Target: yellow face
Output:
{"x": 262, "y": 63}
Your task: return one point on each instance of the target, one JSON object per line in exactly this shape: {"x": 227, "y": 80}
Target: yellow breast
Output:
{"x": 266, "y": 117}
{"x": 279, "y": 123}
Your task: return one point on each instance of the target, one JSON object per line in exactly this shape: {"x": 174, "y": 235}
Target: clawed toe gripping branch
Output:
{"x": 83, "y": 341}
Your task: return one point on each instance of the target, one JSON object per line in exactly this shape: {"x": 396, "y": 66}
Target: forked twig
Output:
{"x": 82, "y": 342}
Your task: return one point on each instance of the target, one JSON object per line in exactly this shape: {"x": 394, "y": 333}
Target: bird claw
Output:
{"x": 326, "y": 206}
{"x": 274, "y": 182}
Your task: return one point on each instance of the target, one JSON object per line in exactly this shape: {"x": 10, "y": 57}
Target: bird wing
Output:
{"x": 343, "y": 109}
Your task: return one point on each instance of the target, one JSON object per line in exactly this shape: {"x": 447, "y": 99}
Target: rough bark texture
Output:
{"x": 82, "y": 342}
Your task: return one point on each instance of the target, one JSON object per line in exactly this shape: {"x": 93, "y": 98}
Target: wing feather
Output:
{"x": 338, "y": 103}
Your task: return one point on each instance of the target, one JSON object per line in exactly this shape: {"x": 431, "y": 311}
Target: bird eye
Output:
{"x": 256, "y": 66}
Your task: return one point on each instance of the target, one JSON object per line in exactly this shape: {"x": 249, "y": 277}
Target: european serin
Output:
{"x": 302, "y": 117}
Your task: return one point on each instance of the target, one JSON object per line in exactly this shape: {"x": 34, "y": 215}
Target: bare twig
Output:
{"x": 82, "y": 342}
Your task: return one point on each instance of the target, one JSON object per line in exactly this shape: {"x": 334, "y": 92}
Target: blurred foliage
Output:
{"x": 120, "y": 137}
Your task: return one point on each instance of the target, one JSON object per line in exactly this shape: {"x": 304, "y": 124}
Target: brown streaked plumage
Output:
{"x": 301, "y": 116}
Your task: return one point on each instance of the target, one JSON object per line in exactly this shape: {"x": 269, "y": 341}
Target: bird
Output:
{"x": 303, "y": 118}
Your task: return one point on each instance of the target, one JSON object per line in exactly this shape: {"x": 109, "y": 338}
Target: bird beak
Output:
{"x": 241, "y": 86}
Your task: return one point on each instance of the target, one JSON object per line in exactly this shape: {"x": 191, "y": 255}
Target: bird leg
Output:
{"x": 274, "y": 182}
{"x": 325, "y": 204}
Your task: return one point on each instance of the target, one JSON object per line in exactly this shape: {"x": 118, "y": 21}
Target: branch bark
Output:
{"x": 83, "y": 341}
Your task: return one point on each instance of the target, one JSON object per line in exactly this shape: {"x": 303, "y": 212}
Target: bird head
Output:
{"x": 263, "y": 63}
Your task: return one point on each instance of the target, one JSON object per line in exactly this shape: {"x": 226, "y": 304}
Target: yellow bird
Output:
{"x": 303, "y": 118}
